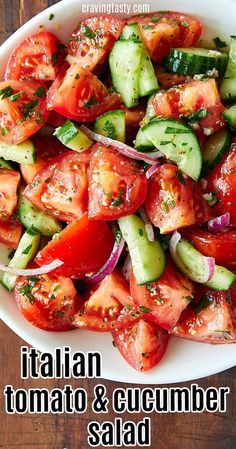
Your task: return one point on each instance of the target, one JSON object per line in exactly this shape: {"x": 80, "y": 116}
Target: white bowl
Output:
{"x": 183, "y": 360}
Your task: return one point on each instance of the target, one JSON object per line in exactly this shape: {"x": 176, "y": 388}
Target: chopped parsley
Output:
{"x": 203, "y": 304}
{"x": 119, "y": 200}
{"x": 196, "y": 116}
{"x": 11, "y": 254}
{"x": 172, "y": 130}
{"x": 118, "y": 236}
{"x": 27, "y": 249}
{"x": 180, "y": 178}
{"x": 147, "y": 27}
{"x": 219, "y": 43}
{"x": 51, "y": 17}
{"x": 87, "y": 32}
{"x": 4, "y": 131}
{"x": 145, "y": 309}
{"x": 155, "y": 19}
{"x": 40, "y": 92}
{"x": 28, "y": 108}
{"x": 186, "y": 24}
{"x": 189, "y": 298}
{"x": 140, "y": 231}
{"x": 109, "y": 129}
{"x": 91, "y": 102}
{"x": 32, "y": 230}
{"x": 59, "y": 314}
{"x": 57, "y": 53}
{"x": 6, "y": 92}
{"x": 16, "y": 96}
{"x": 25, "y": 290}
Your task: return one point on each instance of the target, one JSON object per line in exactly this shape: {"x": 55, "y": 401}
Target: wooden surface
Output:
{"x": 175, "y": 431}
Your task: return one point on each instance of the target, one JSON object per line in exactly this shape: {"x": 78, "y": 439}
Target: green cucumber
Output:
{"x": 230, "y": 117}
{"x": 214, "y": 148}
{"x": 5, "y": 164}
{"x": 141, "y": 141}
{"x": 124, "y": 61}
{"x": 111, "y": 124}
{"x": 25, "y": 252}
{"x": 178, "y": 143}
{"x": 30, "y": 215}
{"x": 23, "y": 153}
{"x": 131, "y": 32}
{"x": 148, "y": 258}
{"x": 70, "y": 135}
{"x": 192, "y": 263}
{"x": 196, "y": 61}
{"x": 228, "y": 85}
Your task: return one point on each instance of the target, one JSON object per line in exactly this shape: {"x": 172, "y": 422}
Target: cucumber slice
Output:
{"x": 230, "y": 117}
{"x": 131, "y": 32}
{"x": 23, "y": 153}
{"x": 228, "y": 85}
{"x": 30, "y": 215}
{"x": 195, "y": 61}
{"x": 141, "y": 142}
{"x": 71, "y": 136}
{"x": 148, "y": 258}
{"x": 25, "y": 252}
{"x": 214, "y": 148}
{"x": 124, "y": 61}
{"x": 178, "y": 143}
{"x": 5, "y": 164}
{"x": 111, "y": 124}
{"x": 191, "y": 263}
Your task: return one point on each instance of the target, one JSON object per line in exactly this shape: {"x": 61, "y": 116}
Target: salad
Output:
{"x": 118, "y": 182}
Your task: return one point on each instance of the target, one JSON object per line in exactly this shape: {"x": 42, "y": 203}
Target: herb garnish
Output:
{"x": 91, "y": 102}
{"x": 27, "y": 249}
{"x": 203, "y": 304}
{"x": 6, "y": 92}
{"x": 180, "y": 178}
{"x": 196, "y": 116}
{"x": 40, "y": 92}
{"x": 51, "y": 16}
{"x": 16, "y": 96}
{"x": 109, "y": 129}
{"x": 219, "y": 43}
{"x": 145, "y": 309}
{"x": 87, "y": 32}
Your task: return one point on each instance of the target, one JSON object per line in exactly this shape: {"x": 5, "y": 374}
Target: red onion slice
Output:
{"x": 109, "y": 265}
{"x": 44, "y": 269}
{"x": 124, "y": 149}
{"x": 207, "y": 262}
{"x": 148, "y": 225}
{"x": 218, "y": 223}
{"x": 152, "y": 170}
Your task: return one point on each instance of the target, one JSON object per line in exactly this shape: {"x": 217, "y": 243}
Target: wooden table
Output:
{"x": 172, "y": 431}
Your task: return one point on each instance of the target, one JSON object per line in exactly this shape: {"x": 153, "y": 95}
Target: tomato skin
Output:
{"x": 50, "y": 301}
{"x": 174, "y": 202}
{"x": 188, "y": 98}
{"x": 142, "y": 345}
{"x": 167, "y": 80}
{"x": 213, "y": 324}
{"x": 109, "y": 306}
{"x": 166, "y": 298}
{"x": 92, "y": 41}
{"x": 117, "y": 185}
{"x": 84, "y": 246}
{"x": 17, "y": 123}
{"x": 61, "y": 188}
{"x": 222, "y": 182}
{"x": 9, "y": 183}
{"x": 46, "y": 149}
{"x": 133, "y": 116}
{"x": 220, "y": 245}
{"x": 10, "y": 233}
{"x": 38, "y": 57}
{"x": 55, "y": 119}
{"x": 168, "y": 31}
{"x": 79, "y": 95}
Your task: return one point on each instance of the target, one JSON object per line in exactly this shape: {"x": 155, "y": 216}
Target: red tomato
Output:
{"x": 46, "y": 149}
{"x": 55, "y": 119}
{"x": 23, "y": 110}
{"x": 84, "y": 246}
{"x": 109, "y": 306}
{"x": 92, "y": 41}
{"x": 10, "y": 233}
{"x": 142, "y": 345}
{"x": 38, "y": 57}
{"x": 190, "y": 97}
{"x": 117, "y": 185}
{"x": 165, "y": 299}
{"x": 9, "y": 183}
{"x": 222, "y": 185}
{"x": 133, "y": 116}
{"x": 167, "y": 80}
{"x": 221, "y": 245}
{"x": 208, "y": 322}
{"x": 165, "y": 30}
{"x": 61, "y": 188}
{"x": 47, "y": 301}
{"x": 174, "y": 200}
{"x": 79, "y": 95}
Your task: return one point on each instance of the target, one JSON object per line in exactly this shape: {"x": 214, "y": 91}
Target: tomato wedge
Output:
{"x": 84, "y": 246}
{"x": 142, "y": 345}
{"x": 174, "y": 200}
{"x": 166, "y": 79}
{"x": 79, "y": 95}
{"x": 109, "y": 306}
{"x": 9, "y": 183}
{"x": 164, "y": 30}
{"x": 46, "y": 149}
{"x": 93, "y": 39}
{"x": 10, "y": 233}
{"x": 189, "y": 98}
{"x": 163, "y": 300}
{"x": 23, "y": 110}
{"x": 47, "y": 301}
{"x": 38, "y": 57}
{"x": 210, "y": 321}
{"x": 221, "y": 245}
{"x": 61, "y": 188}
{"x": 55, "y": 119}
{"x": 222, "y": 185}
{"x": 117, "y": 184}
